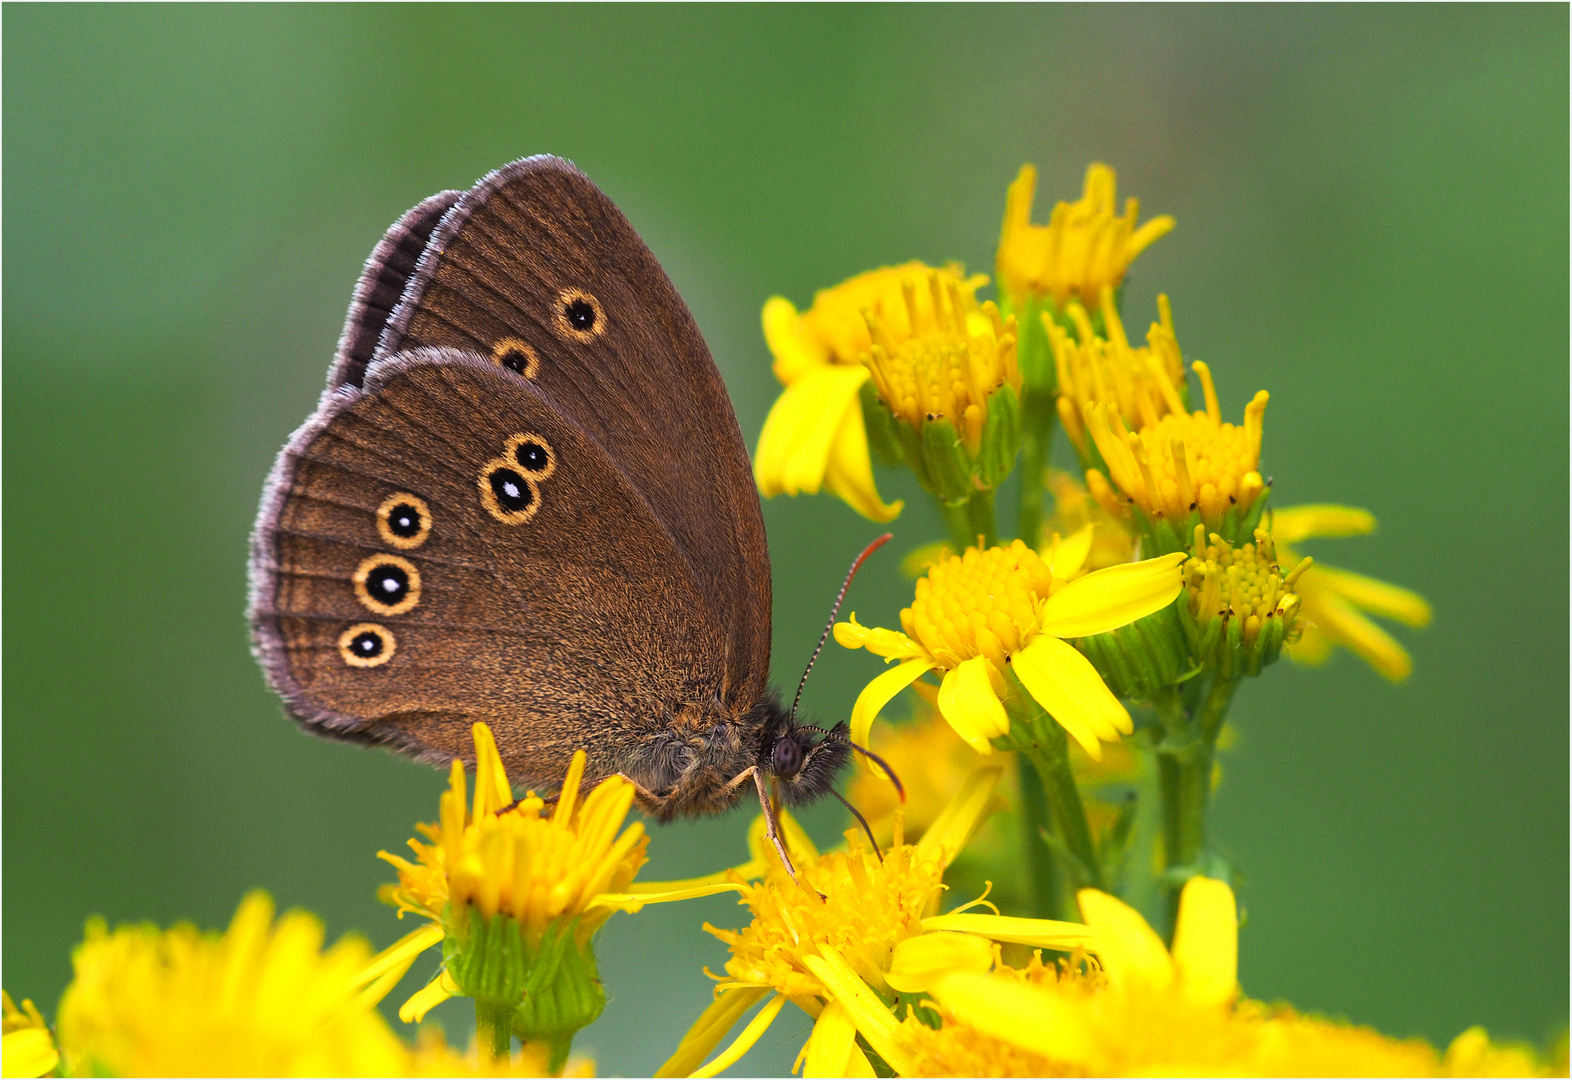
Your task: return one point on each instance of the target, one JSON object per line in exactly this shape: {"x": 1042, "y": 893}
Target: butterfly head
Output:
{"x": 804, "y": 760}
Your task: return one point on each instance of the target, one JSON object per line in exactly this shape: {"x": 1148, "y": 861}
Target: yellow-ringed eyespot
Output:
{"x": 579, "y": 316}
{"x": 516, "y": 355}
{"x": 404, "y": 520}
{"x": 366, "y": 645}
{"x": 507, "y": 493}
{"x": 532, "y": 454}
{"x": 387, "y": 584}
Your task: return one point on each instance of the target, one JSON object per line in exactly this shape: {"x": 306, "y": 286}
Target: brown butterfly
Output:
{"x": 524, "y": 500}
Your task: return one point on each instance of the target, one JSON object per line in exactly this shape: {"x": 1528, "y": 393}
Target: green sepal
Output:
{"x": 949, "y": 465}
{"x": 1001, "y": 437}
{"x": 1033, "y": 350}
{"x": 1143, "y": 657}
{"x": 884, "y": 437}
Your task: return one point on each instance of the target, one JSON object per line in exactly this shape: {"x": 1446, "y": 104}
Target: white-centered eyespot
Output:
{"x": 387, "y": 584}
{"x": 366, "y": 645}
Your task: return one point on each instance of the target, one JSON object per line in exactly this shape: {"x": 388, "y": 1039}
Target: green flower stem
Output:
{"x": 1041, "y": 740}
{"x": 1047, "y": 899}
{"x": 494, "y": 1030}
{"x": 1037, "y": 428}
{"x": 970, "y": 519}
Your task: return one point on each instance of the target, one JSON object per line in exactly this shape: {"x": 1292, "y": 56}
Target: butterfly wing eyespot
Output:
{"x": 531, "y": 454}
{"x": 579, "y": 316}
{"x": 517, "y": 356}
{"x": 387, "y": 584}
{"x": 404, "y": 520}
{"x": 367, "y": 645}
{"x": 506, "y": 493}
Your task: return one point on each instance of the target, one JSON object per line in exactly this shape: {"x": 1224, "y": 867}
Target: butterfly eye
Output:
{"x": 579, "y": 315}
{"x": 517, "y": 356}
{"x": 366, "y": 645}
{"x": 387, "y": 584}
{"x": 786, "y": 757}
{"x": 404, "y": 520}
{"x": 507, "y": 494}
{"x": 532, "y": 454}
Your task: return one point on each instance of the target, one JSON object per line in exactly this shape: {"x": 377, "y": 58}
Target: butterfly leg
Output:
{"x": 771, "y": 824}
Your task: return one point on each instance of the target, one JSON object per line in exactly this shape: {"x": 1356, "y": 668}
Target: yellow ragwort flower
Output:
{"x": 859, "y": 928}
{"x": 550, "y": 873}
{"x": 262, "y": 999}
{"x": 1075, "y": 511}
{"x": 1142, "y": 384}
{"x": 26, "y": 1046}
{"x": 1184, "y": 464}
{"x": 982, "y": 613}
{"x": 1146, "y": 1010}
{"x": 814, "y": 435}
{"x": 1334, "y": 601}
{"x": 1085, "y": 247}
{"x": 1244, "y": 607}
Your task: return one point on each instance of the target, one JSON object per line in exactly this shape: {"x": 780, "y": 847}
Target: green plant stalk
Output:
{"x": 494, "y": 1030}
{"x": 1040, "y": 739}
{"x": 968, "y": 520}
{"x": 1047, "y": 890}
{"x": 1037, "y": 428}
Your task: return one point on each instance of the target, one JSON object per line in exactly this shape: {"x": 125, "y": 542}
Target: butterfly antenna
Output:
{"x": 834, "y": 611}
{"x": 881, "y": 763}
{"x": 861, "y": 821}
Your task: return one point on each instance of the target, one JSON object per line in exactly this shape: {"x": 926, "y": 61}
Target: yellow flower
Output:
{"x": 1075, "y": 511}
{"x": 1146, "y": 1010}
{"x": 263, "y": 999}
{"x": 1184, "y": 464}
{"x": 26, "y": 1047}
{"x": 982, "y": 613}
{"x": 1334, "y": 601}
{"x": 509, "y": 884}
{"x": 1243, "y": 606}
{"x": 1141, "y": 384}
{"x": 1085, "y": 247}
{"x": 814, "y": 435}
{"x": 863, "y": 930}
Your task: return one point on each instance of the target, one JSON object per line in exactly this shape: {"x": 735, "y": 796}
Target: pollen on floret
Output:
{"x": 979, "y": 603}
{"x": 1243, "y": 583}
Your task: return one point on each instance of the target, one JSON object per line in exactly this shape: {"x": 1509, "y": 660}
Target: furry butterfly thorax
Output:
{"x": 524, "y": 499}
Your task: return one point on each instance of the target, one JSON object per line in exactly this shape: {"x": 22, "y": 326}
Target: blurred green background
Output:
{"x": 1373, "y": 224}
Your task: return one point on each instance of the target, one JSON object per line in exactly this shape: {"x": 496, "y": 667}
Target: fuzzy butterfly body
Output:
{"x": 524, "y": 499}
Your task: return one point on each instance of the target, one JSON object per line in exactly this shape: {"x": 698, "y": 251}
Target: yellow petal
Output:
{"x": 492, "y": 791}
{"x": 872, "y": 1016}
{"x": 918, "y": 961}
{"x": 632, "y": 902}
{"x": 1340, "y": 621}
{"x": 1131, "y": 952}
{"x": 849, "y": 470}
{"x": 1294, "y": 523}
{"x": 832, "y": 1048}
{"x": 1143, "y": 237}
{"x": 390, "y": 965}
{"x": 1375, "y": 596}
{"x": 1065, "y": 683}
{"x": 794, "y": 350}
{"x": 1113, "y": 597}
{"x": 1038, "y": 933}
{"x": 794, "y": 447}
{"x": 961, "y": 817}
{"x": 890, "y": 644}
{"x": 744, "y": 1041}
{"x": 1025, "y": 1016}
{"x": 28, "y": 1052}
{"x": 431, "y": 995}
{"x": 710, "y": 1028}
{"x": 877, "y": 694}
{"x": 1069, "y": 554}
{"x": 968, "y": 703}
{"x": 1206, "y": 941}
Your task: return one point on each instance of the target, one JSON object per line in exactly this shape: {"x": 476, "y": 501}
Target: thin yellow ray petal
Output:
{"x": 744, "y": 1041}
{"x": 1022, "y": 1015}
{"x": 428, "y": 997}
{"x": 1131, "y": 952}
{"x": 1065, "y": 683}
{"x": 1071, "y": 552}
{"x": 794, "y": 447}
{"x": 632, "y": 902}
{"x": 961, "y": 817}
{"x": 1153, "y": 230}
{"x": 1038, "y": 933}
{"x": 1294, "y": 523}
{"x": 829, "y": 1048}
{"x": 969, "y": 705}
{"x": 918, "y": 961}
{"x": 401, "y": 952}
{"x": 1206, "y": 942}
{"x": 492, "y": 791}
{"x": 28, "y": 1052}
{"x": 795, "y": 353}
{"x": 873, "y": 1018}
{"x": 1375, "y": 596}
{"x": 1113, "y": 597}
{"x": 849, "y": 470}
{"x": 877, "y": 694}
{"x": 1343, "y": 623}
{"x": 710, "y": 1028}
